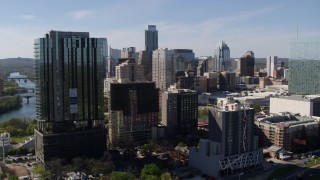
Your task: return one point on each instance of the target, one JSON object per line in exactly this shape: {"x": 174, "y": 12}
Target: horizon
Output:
{"x": 265, "y": 28}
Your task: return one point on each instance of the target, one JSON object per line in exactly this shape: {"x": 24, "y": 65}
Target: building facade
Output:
{"x": 162, "y": 68}
{"x": 133, "y": 106}
{"x": 151, "y": 38}
{"x": 222, "y": 61}
{"x": 179, "y": 111}
{"x": 113, "y": 59}
{"x": 145, "y": 59}
{"x": 70, "y": 69}
{"x": 308, "y": 105}
{"x": 232, "y": 146}
{"x": 286, "y": 131}
{"x": 304, "y": 65}
{"x": 247, "y": 64}
{"x": 271, "y": 64}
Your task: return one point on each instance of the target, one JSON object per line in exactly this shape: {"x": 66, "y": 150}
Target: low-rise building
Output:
{"x": 287, "y": 131}
{"x": 308, "y": 105}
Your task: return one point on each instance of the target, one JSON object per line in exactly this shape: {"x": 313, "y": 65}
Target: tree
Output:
{"x": 118, "y": 175}
{"x": 102, "y": 168}
{"x": 166, "y": 176}
{"x": 13, "y": 178}
{"x": 41, "y": 171}
{"x": 150, "y": 169}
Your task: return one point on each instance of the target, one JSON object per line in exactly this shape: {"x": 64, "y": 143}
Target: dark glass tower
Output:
{"x": 70, "y": 70}
{"x": 151, "y": 38}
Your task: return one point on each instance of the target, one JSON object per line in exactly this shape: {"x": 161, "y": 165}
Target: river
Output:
{"x": 26, "y": 110}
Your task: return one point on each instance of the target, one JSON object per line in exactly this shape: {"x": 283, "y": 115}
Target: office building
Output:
{"x": 133, "y": 106}
{"x": 183, "y": 59}
{"x": 287, "y": 131}
{"x": 305, "y": 105}
{"x": 145, "y": 59}
{"x": 304, "y": 65}
{"x": 179, "y": 111}
{"x": 247, "y": 64}
{"x": 151, "y": 38}
{"x": 70, "y": 69}
{"x": 205, "y": 64}
{"x": 222, "y": 61}
{"x": 113, "y": 59}
{"x": 271, "y": 64}
{"x": 129, "y": 53}
{"x": 162, "y": 68}
{"x": 232, "y": 146}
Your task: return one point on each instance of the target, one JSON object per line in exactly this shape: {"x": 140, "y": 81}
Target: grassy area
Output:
{"x": 16, "y": 140}
{"x": 314, "y": 162}
{"x": 282, "y": 171}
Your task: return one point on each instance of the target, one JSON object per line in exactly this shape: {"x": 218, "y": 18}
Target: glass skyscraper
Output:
{"x": 304, "y": 65}
{"x": 151, "y": 38}
{"x": 222, "y": 61}
{"x": 70, "y": 71}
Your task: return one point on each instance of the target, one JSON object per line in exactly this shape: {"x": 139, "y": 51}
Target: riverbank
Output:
{"x": 9, "y": 103}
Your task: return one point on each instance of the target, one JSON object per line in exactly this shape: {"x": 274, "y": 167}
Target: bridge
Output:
{"x": 20, "y": 77}
{"x": 27, "y": 96}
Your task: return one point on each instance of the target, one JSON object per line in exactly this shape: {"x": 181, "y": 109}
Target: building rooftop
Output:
{"x": 306, "y": 98}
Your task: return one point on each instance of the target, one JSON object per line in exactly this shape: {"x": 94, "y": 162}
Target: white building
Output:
{"x": 271, "y": 64}
{"x": 162, "y": 68}
{"x": 308, "y": 105}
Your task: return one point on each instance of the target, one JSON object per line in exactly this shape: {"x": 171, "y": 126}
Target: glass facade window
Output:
{"x": 304, "y": 66}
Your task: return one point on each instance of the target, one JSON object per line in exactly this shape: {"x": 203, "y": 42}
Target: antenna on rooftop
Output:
{"x": 297, "y": 28}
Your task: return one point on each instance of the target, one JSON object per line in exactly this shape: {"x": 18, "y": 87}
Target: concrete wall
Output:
{"x": 278, "y": 105}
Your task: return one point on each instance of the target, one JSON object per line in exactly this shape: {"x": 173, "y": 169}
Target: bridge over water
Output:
{"x": 27, "y": 96}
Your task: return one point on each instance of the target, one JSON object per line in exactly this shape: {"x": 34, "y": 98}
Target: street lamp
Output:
{"x": 240, "y": 175}
{"x": 4, "y": 137}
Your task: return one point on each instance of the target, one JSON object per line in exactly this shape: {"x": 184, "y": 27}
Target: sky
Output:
{"x": 264, "y": 27}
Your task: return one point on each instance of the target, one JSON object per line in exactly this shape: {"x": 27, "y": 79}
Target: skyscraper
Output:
{"x": 183, "y": 59}
{"x": 180, "y": 110}
{"x": 114, "y": 56}
{"x": 271, "y": 64}
{"x": 151, "y": 38}
{"x": 133, "y": 106}
{"x": 70, "y": 69}
{"x": 222, "y": 61}
{"x": 247, "y": 64}
{"x": 162, "y": 68}
{"x": 304, "y": 66}
{"x": 232, "y": 146}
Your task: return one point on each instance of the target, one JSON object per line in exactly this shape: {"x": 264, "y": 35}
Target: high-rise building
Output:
{"x": 271, "y": 64}
{"x": 129, "y": 52}
{"x": 183, "y": 59}
{"x": 114, "y": 56}
{"x": 222, "y": 61}
{"x": 162, "y": 68}
{"x": 204, "y": 65}
{"x": 133, "y": 106}
{"x": 247, "y": 64}
{"x": 232, "y": 146}
{"x": 70, "y": 69}
{"x": 179, "y": 111}
{"x": 304, "y": 66}
{"x": 151, "y": 38}
{"x": 145, "y": 59}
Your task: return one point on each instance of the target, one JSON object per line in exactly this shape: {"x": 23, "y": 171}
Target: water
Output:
{"x": 26, "y": 110}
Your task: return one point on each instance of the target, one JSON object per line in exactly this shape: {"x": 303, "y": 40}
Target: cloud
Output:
{"x": 26, "y": 17}
{"x": 76, "y": 15}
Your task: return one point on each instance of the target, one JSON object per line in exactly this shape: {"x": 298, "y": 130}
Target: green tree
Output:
{"x": 41, "y": 171}
{"x": 102, "y": 168}
{"x": 13, "y": 178}
{"x": 166, "y": 176}
{"x": 118, "y": 175}
{"x": 150, "y": 169}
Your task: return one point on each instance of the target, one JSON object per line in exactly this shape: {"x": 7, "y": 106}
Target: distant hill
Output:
{"x": 22, "y": 65}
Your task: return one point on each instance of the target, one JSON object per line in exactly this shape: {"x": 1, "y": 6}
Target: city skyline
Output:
{"x": 265, "y": 28}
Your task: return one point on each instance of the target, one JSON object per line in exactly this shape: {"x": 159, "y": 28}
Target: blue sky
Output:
{"x": 265, "y": 27}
